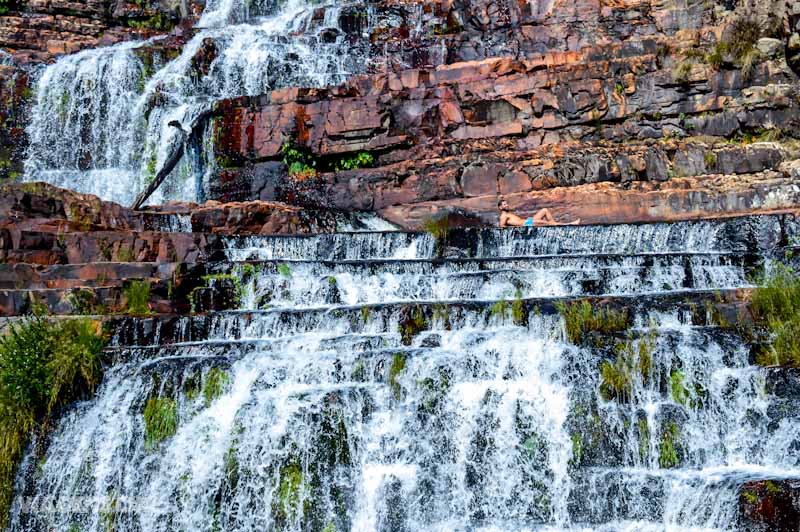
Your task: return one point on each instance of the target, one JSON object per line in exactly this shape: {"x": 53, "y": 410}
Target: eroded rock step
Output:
{"x": 104, "y": 288}
{"x": 689, "y": 306}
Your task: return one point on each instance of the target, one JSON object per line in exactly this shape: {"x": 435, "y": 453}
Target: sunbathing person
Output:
{"x": 542, "y": 218}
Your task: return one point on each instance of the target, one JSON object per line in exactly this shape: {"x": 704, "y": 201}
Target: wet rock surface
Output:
{"x": 772, "y": 505}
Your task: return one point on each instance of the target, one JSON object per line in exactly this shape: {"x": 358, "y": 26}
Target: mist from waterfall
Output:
{"x": 100, "y": 123}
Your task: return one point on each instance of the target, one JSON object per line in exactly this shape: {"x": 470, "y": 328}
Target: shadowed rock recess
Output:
{"x": 314, "y": 324}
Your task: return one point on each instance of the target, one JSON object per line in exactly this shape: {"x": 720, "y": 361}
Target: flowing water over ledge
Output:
{"x": 310, "y": 407}
{"x": 101, "y": 120}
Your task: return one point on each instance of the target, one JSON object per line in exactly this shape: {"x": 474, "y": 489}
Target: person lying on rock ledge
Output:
{"x": 542, "y": 218}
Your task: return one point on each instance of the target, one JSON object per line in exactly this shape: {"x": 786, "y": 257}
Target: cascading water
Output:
{"x": 101, "y": 121}
{"x": 361, "y": 384}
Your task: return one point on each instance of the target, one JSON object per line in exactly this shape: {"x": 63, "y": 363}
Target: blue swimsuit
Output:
{"x": 529, "y": 222}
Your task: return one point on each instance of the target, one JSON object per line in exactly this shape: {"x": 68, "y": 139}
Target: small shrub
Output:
{"x": 361, "y": 160}
{"x": 775, "y": 304}
{"x": 160, "y": 420}
{"x": 710, "y": 158}
{"x": 43, "y": 365}
{"x": 137, "y": 298}
{"x": 682, "y": 71}
{"x": 300, "y": 162}
{"x": 581, "y": 319}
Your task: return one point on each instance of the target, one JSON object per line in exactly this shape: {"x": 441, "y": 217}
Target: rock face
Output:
{"x": 604, "y": 111}
{"x": 772, "y": 505}
{"x": 39, "y": 30}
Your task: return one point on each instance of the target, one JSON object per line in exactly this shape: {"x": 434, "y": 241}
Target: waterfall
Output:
{"x": 101, "y": 120}
{"x": 311, "y": 405}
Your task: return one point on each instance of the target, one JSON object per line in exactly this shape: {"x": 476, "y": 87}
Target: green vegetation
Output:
{"x": 159, "y": 21}
{"x": 439, "y": 228}
{"x": 634, "y": 360}
{"x": 137, "y": 298}
{"x": 644, "y": 438}
{"x": 582, "y": 319}
{"x": 412, "y": 325}
{"x": 710, "y": 158}
{"x": 682, "y": 71}
{"x": 577, "y": 449}
{"x": 160, "y": 420}
{"x": 300, "y": 161}
{"x": 516, "y": 310}
{"x": 740, "y": 44}
{"x": 667, "y": 447}
{"x": 776, "y": 306}
{"x": 750, "y": 497}
{"x": 290, "y": 490}
{"x": 284, "y": 270}
{"x": 362, "y": 159}
{"x": 216, "y": 382}
{"x": 499, "y": 309}
{"x": 690, "y": 397}
{"x": 43, "y": 366}
{"x": 234, "y": 281}
{"x": 398, "y": 366}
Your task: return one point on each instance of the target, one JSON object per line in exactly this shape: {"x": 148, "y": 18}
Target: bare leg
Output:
{"x": 544, "y": 217}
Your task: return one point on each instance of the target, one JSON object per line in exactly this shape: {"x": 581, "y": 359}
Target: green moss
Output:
{"x": 215, "y": 383}
{"x": 577, "y": 449}
{"x": 284, "y": 270}
{"x": 582, "y": 319}
{"x": 235, "y": 281}
{"x": 108, "y": 515}
{"x": 750, "y": 497}
{"x": 43, "y": 365}
{"x": 398, "y": 366}
{"x": 710, "y": 158}
{"x": 137, "y": 298}
{"x": 634, "y": 362}
{"x": 667, "y": 447}
{"x": 500, "y": 309}
{"x": 290, "y": 490}
{"x": 644, "y": 438}
{"x": 411, "y": 325}
{"x": 439, "y": 228}
{"x": 519, "y": 311}
{"x": 160, "y": 420}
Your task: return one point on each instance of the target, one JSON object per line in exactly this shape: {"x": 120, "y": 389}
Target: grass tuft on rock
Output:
{"x": 216, "y": 382}
{"x": 775, "y": 305}
{"x": 43, "y": 366}
{"x": 160, "y": 420}
{"x": 137, "y": 298}
{"x": 398, "y": 366}
{"x": 582, "y": 319}
{"x": 439, "y": 228}
{"x": 668, "y": 446}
